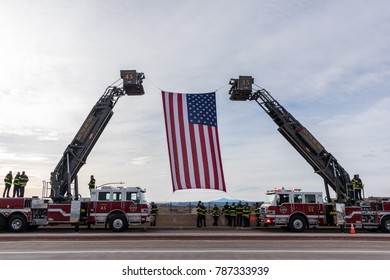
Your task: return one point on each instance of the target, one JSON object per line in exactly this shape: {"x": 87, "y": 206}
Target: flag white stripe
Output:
{"x": 219, "y": 165}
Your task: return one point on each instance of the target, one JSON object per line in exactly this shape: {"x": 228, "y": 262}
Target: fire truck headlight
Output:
{"x": 270, "y": 212}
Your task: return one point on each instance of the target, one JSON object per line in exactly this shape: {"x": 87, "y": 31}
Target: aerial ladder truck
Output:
{"x": 76, "y": 153}
{"x": 323, "y": 162}
{"x": 115, "y": 207}
{"x": 296, "y": 210}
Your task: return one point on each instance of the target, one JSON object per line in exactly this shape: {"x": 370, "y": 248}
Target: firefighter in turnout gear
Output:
{"x": 8, "y": 183}
{"x": 203, "y": 214}
{"x": 153, "y": 213}
{"x": 225, "y": 211}
{"x": 92, "y": 183}
{"x": 22, "y": 182}
{"x": 199, "y": 214}
{"x": 215, "y": 212}
{"x": 246, "y": 212}
{"x": 233, "y": 215}
{"x": 240, "y": 209}
{"x": 257, "y": 213}
{"x": 357, "y": 187}
{"x": 16, "y": 185}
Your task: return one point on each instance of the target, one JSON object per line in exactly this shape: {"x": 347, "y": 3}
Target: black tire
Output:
{"x": 32, "y": 227}
{"x": 3, "y": 222}
{"x": 285, "y": 228}
{"x": 297, "y": 224}
{"x": 17, "y": 223}
{"x": 385, "y": 224}
{"x": 118, "y": 223}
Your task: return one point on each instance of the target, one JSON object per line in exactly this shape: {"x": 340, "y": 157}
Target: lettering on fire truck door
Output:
{"x": 311, "y": 207}
{"x": 103, "y": 204}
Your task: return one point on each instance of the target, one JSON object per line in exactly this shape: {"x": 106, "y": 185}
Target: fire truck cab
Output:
{"x": 294, "y": 210}
{"x": 118, "y": 207}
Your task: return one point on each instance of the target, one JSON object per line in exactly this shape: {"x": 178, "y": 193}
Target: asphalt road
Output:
{"x": 194, "y": 245}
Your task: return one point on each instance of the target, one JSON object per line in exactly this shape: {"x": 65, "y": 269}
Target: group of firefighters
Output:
{"x": 235, "y": 215}
{"x": 20, "y": 182}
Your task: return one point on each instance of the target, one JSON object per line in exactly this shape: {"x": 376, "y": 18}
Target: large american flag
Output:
{"x": 193, "y": 143}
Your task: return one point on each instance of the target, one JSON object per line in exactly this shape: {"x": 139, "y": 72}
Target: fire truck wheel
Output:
{"x": 118, "y": 223}
{"x": 297, "y": 223}
{"x": 17, "y": 223}
{"x": 385, "y": 224}
{"x": 3, "y": 222}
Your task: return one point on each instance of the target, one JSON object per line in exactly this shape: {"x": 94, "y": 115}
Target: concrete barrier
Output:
{"x": 186, "y": 220}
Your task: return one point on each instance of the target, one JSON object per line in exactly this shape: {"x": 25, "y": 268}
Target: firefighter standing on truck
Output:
{"x": 357, "y": 187}
{"x": 92, "y": 183}
{"x": 16, "y": 185}
{"x": 22, "y": 183}
{"x": 8, "y": 183}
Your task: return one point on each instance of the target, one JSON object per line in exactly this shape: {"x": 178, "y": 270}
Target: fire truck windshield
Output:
{"x": 142, "y": 198}
{"x": 270, "y": 198}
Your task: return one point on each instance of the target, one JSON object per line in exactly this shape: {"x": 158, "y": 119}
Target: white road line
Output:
{"x": 188, "y": 241}
{"x": 243, "y": 251}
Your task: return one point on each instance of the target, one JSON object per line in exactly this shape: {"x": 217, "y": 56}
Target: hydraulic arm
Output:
{"x": 323, "y": 163}
{"x": 76, "y": 153}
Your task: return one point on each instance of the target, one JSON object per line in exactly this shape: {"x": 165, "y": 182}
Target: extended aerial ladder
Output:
{"x": 323, "y": 163}
{"x": 76, "y": 153}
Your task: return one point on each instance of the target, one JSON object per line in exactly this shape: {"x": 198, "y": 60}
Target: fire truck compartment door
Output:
{"x": 75, "y": 208}
{"x": 340, "y": 213}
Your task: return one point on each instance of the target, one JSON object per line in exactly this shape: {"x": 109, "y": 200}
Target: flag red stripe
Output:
{"x": 214, "y": 160}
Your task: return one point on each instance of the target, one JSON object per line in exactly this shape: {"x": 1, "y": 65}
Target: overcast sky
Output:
{"x": 326, "y": 62}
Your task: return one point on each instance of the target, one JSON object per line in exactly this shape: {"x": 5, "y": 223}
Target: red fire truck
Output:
{"x": 295, "y": 210}
{"x": 111, "y": 206}
{"x": 115, "y": 207}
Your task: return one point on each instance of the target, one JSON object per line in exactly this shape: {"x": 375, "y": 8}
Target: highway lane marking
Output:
{"x": 194, "y": 241}
{"x": 245, "y": 251}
